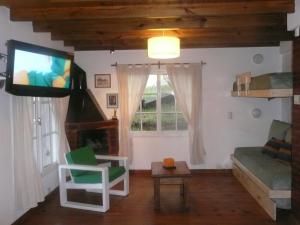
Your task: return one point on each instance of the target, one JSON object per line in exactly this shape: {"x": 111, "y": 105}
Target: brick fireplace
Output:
{"x": 86, "y": 124}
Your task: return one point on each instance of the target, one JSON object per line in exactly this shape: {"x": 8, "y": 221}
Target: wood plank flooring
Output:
{"x": 214, "y": 199}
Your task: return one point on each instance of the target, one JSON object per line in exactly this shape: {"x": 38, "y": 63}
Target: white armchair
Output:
{"x": 87, "y": 175}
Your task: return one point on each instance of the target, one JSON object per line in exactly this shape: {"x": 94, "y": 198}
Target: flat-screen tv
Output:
{"x": 38, "y": 71}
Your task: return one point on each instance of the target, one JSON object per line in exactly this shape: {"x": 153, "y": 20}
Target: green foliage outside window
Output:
{"x": 158, "y": 108}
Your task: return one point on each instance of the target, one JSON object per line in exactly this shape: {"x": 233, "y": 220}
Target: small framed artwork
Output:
{"x": 112, "y": 100}
{"x": 102, "y": 81}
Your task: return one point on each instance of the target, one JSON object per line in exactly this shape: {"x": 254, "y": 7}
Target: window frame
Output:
{"x": 158, "y": 112}
{"x": 38, "y": 136}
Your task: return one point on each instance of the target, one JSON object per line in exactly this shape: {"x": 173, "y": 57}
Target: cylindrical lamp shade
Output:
{"x": 164, "y": 47}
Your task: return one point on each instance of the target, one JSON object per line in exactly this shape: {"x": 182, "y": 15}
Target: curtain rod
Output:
{"x": 157, "y": 64}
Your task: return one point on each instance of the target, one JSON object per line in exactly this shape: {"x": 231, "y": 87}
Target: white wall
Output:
{"x": 293, "y": 19}
{"x": 286, "y": 50}
{"x": 6, "y": 194}
{"x": 23, "y": 32}
{"x": 293, "y": 23}
{"x": 221, "y": 135}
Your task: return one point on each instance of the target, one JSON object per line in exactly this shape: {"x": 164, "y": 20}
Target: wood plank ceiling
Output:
{"x": 114, "y": 25}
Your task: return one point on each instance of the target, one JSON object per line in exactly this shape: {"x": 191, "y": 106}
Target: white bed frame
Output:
{"x": 259, "y": 191}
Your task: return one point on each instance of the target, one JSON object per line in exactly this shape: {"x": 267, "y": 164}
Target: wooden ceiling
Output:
{"x": 114, "y": 25}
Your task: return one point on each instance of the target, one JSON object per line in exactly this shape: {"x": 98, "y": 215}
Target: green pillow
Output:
{"x": 96, "y": 177}
{"x": 81, "y": 156}
{"x": 278, "y": 130}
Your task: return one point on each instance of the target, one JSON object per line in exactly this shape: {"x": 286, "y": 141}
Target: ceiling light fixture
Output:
{"x": 163, "y": 47}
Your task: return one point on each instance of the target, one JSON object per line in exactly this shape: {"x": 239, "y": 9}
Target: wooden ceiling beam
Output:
{"x": 185, "y": 43}
{"x": 199, "y": 45}
{"x": 84, "y": 3}
{"x": 216, "y": 45}
{"x": 115, "y": 25}
{"x": 268, "y": 33}
{"x": 4, "y": 2}
{"x": 152, "y": 10}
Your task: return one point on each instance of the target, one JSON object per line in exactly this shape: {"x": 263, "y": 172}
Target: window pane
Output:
{"x": 46, "y": 148}
{"x": 164, "y": 84}
{"x": 168, "y": 121}
{"x": 136, "y": 123}
{"x": 149, "y": 121}
{"x": 45, "y": 118}
{"x": 35, "y": 148}
{"x": 177, "y": 107}
{"x": 181, "y": 123}
{"x": 54, "y": 133}
{"x": 167, "y": 102}
{"x": 149, "y": 103}
{"x": 35, "y": 117}
{"x": 46, "y": 130}
{"x": 139, "y": 109}
{"x": 151, "y": 87}
{"x": 54, "y": 145}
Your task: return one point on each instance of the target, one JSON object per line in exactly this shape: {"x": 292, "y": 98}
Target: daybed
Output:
{"x": 270, "y": 85}
{"x": 267, "y": 178}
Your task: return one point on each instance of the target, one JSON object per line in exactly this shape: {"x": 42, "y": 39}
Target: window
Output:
{"x": 45, "y": 138}
{"x": 158, "y": 110}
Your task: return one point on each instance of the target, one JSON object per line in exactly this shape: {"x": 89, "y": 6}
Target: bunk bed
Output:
{"x": 271, "y": 85}
{"x": 266, "y": 178}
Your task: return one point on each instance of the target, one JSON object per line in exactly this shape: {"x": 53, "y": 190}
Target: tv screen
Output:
{"x": 38, "y": 71}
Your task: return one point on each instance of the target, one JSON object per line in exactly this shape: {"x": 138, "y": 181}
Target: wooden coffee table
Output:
{"x": 177, "y": 176}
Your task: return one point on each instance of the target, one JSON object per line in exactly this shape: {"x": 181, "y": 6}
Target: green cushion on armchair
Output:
{"x": 92, "y": 177}
{"x": 86, "y": 156}
{"x": 81, "y": 156}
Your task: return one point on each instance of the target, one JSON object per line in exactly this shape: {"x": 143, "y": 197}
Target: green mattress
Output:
{"x": 270, "y": 81}
{"x": 274, "y": 173}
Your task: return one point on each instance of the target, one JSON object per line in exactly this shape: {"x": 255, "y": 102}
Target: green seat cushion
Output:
{"x": 81, "y": 156}
{"x": 278, "y": 130}
{"x": 274, "y": 173}
{"x": 92, "y": 177}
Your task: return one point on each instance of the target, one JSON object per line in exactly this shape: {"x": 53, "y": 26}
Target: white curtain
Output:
{"x": 27, "y": 178}
{"x": 186, "y": 81}
{"x": 60, "y": 112}
{"x": 132, "y": 80}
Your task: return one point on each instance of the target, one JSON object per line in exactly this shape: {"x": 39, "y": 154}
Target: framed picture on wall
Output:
{"x": 102, "y": 81}
{"x": 112, "y": 100}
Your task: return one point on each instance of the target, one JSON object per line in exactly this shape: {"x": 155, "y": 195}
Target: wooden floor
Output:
{"x": 215, "y": 199}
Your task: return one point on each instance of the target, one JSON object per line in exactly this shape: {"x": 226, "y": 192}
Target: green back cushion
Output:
{"x": 278, "y": 130}
{"x": 81, "y": 156}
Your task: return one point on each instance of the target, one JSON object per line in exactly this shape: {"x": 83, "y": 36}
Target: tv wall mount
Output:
{"x": 3, "y": 61}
